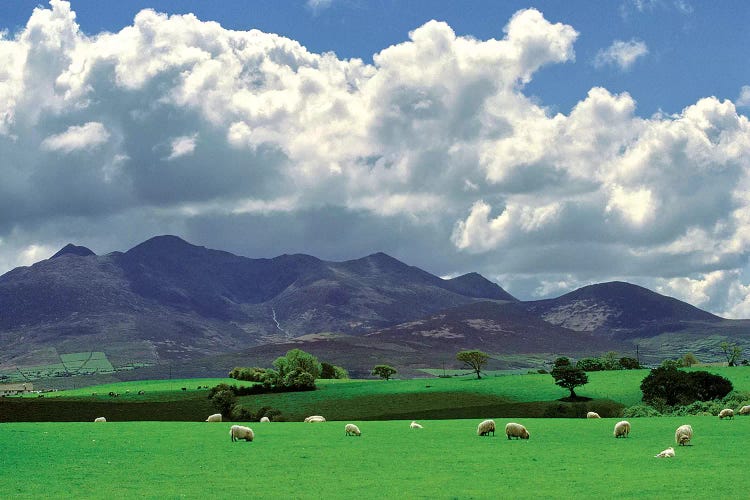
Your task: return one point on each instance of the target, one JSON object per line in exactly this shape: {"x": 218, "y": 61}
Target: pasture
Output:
{"x": 565, "y": 458}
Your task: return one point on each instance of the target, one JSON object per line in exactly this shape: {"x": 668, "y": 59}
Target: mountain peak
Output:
{"x": 476, "y": 285}
{"x": 71, "y": 249}
{"x": 163, "y": 243}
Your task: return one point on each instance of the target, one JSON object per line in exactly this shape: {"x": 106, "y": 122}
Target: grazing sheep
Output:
{"x": 241, "y": 432}
{"x": 668, "y": 453}
{"x": 141, "y": 393}
{"x": 726, "y": 413}
{"x": 622, "y": 429}
{"x": 315, "y": 418}
{"x": 683, "y": 435}
{"x": 415, "y": 425}
{"x": 216, "y": 417}
{"x": 517, "y": 431}
{"x": 265, "y": 419}
{"x": 484, "y": 428}
{"x": 352, "y": 430}
{"x": 745, "y": 410}
{"x": 100, "y": 419}
{"x": 592, "y": 414}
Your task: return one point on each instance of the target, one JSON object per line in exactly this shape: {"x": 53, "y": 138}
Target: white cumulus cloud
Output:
{"x": 87, "y": 136}
{"x": 622, "y": 54}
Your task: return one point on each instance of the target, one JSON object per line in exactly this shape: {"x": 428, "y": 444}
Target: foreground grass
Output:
{"x": 564, "y": 458}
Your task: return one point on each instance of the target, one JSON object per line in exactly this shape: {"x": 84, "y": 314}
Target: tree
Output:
{"x": 474, "y": 360}
{"x": 384, "y": 371}
{"x": 297, "y": 359}
{"x": 628, "y": 363}
{"x": 561, "y": 361}
{"x": 732, "y": 352}
{"x": 224, "y": 400}
{"x": 569, "y": 377}
{"x": 689, "y": 359}
{"x": 677, "y": 387}
{"x": 590, "y": 364}
{"x": 329, "y": 371}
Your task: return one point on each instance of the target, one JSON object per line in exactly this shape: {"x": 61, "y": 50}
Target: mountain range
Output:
{"x": 166, "y": 302}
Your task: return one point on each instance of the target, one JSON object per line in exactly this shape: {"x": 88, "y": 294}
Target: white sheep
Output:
{"x": 726, "y": 413}
{"x": 415, "y": 425}
{"x": 515, "y": 430}
{"x": 683, "y": 435}
{"x": 668, "y": 453}
{"x": 100, "y": 419}
{"x": 745, "y": 410}
{"x": 484, "y": 428}
{"x": 622, "y": 429}
{"x": 216, "y": 417}
{"x": 265, "y": 419}
{"x": 592, "y": 414}
{"x": 315, "y": 418}
{"x": 352, "y": 430}
{"x": 238, "y": 432}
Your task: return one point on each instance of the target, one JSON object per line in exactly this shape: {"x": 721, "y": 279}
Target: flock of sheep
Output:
{"x": 682, "y": 435}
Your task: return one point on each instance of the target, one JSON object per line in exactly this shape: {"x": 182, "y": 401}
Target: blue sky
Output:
{"x": 547, "y": 145}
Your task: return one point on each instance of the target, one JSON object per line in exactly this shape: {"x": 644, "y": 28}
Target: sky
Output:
{"x": 545, "y": 145}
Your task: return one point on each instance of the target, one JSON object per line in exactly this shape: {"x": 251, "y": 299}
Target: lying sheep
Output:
{"x": 352, "y": 430}
{"x": 726, "y": 413}
{"x": 265, "y": 419}
{"x": 315, "y": 418}
{"x": 683, "y": 435}
{"x": 515, "y": 430}
{"x": 745, "y": 410}
{"x": 100, "y": 419}
{"x": 622, "y": 429}
{"x": 415, "y": 425}
{"x": 484, "y": 428}
{"x": 216, "y": 417}
{"x": 668, "y": 453}
{"x": 238, "y": 432}
{"x": 592, "y": 414}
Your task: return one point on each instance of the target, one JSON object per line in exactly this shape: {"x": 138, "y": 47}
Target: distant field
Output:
{"x": 77, "y": 363}
{"x": 565, "y": 458}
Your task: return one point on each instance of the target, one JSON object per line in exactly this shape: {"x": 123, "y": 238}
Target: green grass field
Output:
{"x": 565, "y": 458}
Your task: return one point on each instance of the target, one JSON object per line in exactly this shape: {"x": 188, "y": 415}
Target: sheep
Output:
{"x": 265, "y": 419}
{"x": 622, "y": 429}
{"x": 668, "y": 453}
{"x": 100, "y": 419}
{"x": 315, "y": 418}
{"x": 484, "y": 428}
{"x": 415, "y": 425}
{"x": 592, "y": 414}
{"x": 352, "y": 430}
{"x": 517, "y": 431}
{"x": 238, "y": 432}
{"x": 683, "y": 435}
{"x": 726, "y": 413}
{"x": 216, "y": 417}
{"x": 745, "y": 410}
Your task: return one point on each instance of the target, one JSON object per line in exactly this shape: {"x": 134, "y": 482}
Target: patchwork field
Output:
{"x": 565, "y": 458}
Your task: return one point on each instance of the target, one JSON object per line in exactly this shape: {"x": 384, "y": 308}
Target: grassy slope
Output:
{"x": 565, "y": 458}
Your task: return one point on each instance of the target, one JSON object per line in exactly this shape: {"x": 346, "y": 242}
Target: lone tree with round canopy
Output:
{"x": 384, "y": 371}
{"x": 568, "y": 376}
{"x": 474, "y": 360}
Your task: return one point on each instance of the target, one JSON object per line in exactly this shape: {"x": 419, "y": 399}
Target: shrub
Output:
{"x": 590, "y": 364}
{"x": 627, "y": 363}
{"x": 329, "y": 371}
{"x": 640, "y": 410}
{"x": 224, "y": 401}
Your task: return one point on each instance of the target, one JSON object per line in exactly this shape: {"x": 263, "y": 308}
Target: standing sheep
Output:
{"x": 216, "y": 417}
{"x": 668, "y": 453}
{"x": 622, "y": 429}
{"x": 745, "y": 410}
{"x": 515, "y": 430}
{"x": 238, "y": 432}
{"x": 484, "y": 428}
{"x": 352, "y": 430}
{"x": 265, "y": 419}
{"x": 683, "y": 435}
{"x": 415, "y": 425}
{"x": 726, "y": 413}
{"x": 315, "y": 418}
{"x": 592, "y": 414}
{"x": 100, "y": 419}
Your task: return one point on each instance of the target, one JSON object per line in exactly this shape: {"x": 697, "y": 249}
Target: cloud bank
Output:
{"x": 246, "y": 141}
